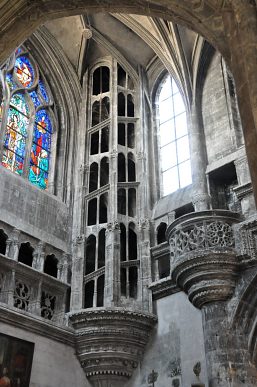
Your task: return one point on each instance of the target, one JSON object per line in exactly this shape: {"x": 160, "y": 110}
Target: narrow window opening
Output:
{"x": 104, "y": 172}
{"x": 95, "y": 113}
{"x": 123, "y": 281}
{"x": 101, "y": 248}
{"x": 161, "y": 230}
{"x": 100, "y": 291}
{"x": 130, "y": 106}
{"x": 90, "y": 254}
{"x": 121, "y": 167}
{"x": 105, "y": 108}
{"x": 132, "y": 242}
{"x": 130, "y": 83}
{"x": 89, "y": 294}
{"x": 131, "y": 135}
{"x": 103, "y": 208}
{"x": 50, "y": 266}
{"x": 123, "y": 242}
{"x": 105, "y": 79}
{"x": 92, "y": 210}
{"x": 3, "y": 239}
{"x": 105, "y": 140}
{"x": 121, "y": 76}
{"x": 132, "y": 202}
{"x": 121, "y": 105}
{"x": 122, "y": 201}
{"x": 131, "y": 168}
{"x": 97, "y": 81}
{"x": 164, "y": 266}
{"x": 94, "y": 146}
{"x": 93, "y": 177}
{"x": 26, "y": 254}
{"x": 133, "y": 282}
{"x": 121, "y": 134}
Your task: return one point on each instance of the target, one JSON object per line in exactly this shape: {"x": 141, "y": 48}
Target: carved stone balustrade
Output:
{"x": 30, "y": 291}
{"x": 110, "y": 342}
{"x": 203, "y": 257}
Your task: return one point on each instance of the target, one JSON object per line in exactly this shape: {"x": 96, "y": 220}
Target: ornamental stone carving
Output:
{"x": 111, "y": 342}
{"x": 204, "y": 261}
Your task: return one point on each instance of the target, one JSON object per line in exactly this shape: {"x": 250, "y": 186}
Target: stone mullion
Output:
{"x": 145, "y": 265}
{"x": 77, "y": 274}
{"x": 127, "y": 282}
{"x": 14, "y": 244}
{"x": 6, "y": 103}
{"x": 200, "y": 197}
{"x": 95, "y": 293}
{"x": 241, "y": 27}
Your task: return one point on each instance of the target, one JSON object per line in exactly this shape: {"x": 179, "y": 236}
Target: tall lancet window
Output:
{"x": 173, "y": 135}
{"x": 26, "y": 120}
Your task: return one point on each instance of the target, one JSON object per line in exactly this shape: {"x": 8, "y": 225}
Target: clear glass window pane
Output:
{"x": 167, "y": 132}
{"x": 174, "y": 87}
{"x": 185, "y": 175}
{"x": 181, "y": 125}
{"x": 183, "y": 149}
{"x": 166, "y": 110}
{"x": 168, "y": 156}
{"x": 170, "y": 181}
{"x": 179, "y": 106}
{"x": 166, "y": 90}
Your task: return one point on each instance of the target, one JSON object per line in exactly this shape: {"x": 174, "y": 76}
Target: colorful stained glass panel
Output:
{"x": 24, "y": 71}
{"x": 15, "y": 142}
{"x": 17, "y": 121}
{"x": 39, "y": 165}
{"x": 12, "y": 85}
{"x": 41, "y": 137}
{"x": 18, "y": 100}
{"x": 18, "y": 51}
{"x": 12, "y": 161}
{"x": 35, "y": 99}
{"x": 43, "y": 90}
{"x": 43, "y": 120}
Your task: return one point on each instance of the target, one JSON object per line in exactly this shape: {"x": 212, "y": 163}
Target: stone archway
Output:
{"x": 229, "y": 25}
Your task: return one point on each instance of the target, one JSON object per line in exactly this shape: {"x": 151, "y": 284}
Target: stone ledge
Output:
{"x": 163, "y": 288}
{"x": 37, "y": 325}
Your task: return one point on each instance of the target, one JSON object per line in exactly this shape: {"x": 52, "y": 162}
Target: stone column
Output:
{"x": 14, "y": 244}
{"x": 39, "y": 257}
{"x": 63, "y": 268}
{"x": 77, "y": 293}
{"x": 241, "y": 28}
{"x": 145, "y": 264}
{"x": 200, "y": 197}
{"x": 112, "y": 265}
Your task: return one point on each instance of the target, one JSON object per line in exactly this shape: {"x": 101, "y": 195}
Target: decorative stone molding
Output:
{"x": 111, "y": 342}
{"x": 204, "y": 261}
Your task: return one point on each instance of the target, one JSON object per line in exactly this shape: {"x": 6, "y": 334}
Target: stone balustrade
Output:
{"x": 28, "y": 290}
{"x": 203, "y": 256}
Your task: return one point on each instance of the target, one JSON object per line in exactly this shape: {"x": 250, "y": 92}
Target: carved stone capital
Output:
{"x": 201, "y": 202}
{"x": 203, "y": 255}
{"x": 113, "y": 226}
{"x": 111, "y": 342}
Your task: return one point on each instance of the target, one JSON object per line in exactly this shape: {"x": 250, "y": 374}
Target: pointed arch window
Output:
{"x": 27, "y": 120}
{"x": 173, "y": 135}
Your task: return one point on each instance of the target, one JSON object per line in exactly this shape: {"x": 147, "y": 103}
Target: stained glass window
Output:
{"x": 27, "y": 143}
{"x": 174, "y": 143}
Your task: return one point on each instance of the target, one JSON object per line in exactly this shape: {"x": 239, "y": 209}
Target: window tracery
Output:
{"x": 27, "y": 120}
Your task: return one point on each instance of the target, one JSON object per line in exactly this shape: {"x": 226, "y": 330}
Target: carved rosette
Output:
{"x": 203, "y": 256}
{"x": 111, "y": 342}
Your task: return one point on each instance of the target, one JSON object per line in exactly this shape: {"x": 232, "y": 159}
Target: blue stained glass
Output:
{"x": 43, "y": 90}
{"x": 12, "y": 85}
{"x": 35, "y": 99}
{"x": 24, "y": 71}
{"x": 17, "y": 121}
{"x": 42, "y": 137}
{"x": 18, "y": 51}
{"x": 43, "y": 120}
{"x": 39, "y": 165}
{"x": 18, "y": 100}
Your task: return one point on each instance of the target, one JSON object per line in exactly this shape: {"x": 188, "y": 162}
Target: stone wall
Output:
{"x": 33, "y": 211}
{"x": 220, "y": 138}
{"x": 176, "y": 345}
{"x": 54, "y": 364}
